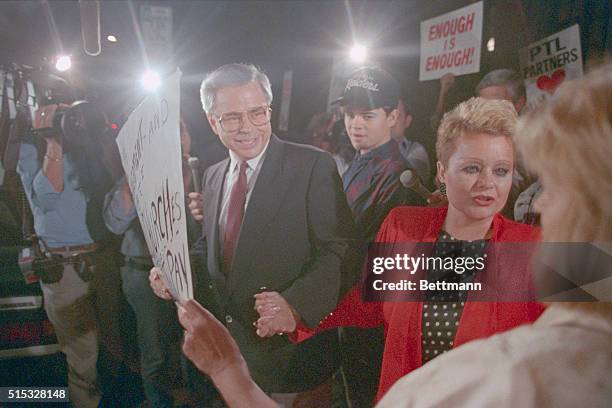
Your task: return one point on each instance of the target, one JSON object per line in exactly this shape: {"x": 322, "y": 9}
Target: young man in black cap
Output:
{"x": 372, "y": 186}
{"x": 371, "y": 182}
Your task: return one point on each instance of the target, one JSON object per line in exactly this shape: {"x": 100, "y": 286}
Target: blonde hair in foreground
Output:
{"x": 476, "y": 115}
{"x": 569, "y": 139}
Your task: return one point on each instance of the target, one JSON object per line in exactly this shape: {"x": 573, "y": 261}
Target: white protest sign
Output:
{"x": 451, "y": 43}
{"x": 150, "y": 147}
{"x": 548, "y": 62}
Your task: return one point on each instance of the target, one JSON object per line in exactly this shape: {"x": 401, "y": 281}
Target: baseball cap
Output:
{"x": 370, "y": 87}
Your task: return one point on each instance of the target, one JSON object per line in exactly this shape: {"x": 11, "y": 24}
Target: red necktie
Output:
{"x": 235, "y": 213}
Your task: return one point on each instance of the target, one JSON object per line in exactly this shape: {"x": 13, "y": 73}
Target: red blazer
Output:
{"x": 402, "y": 320}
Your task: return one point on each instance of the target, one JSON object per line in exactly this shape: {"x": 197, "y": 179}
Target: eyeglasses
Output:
{"x": 233, "y": 121}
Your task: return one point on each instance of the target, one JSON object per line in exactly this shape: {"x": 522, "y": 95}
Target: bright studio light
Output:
{"x": 111, "y": 38}
{"x": 491, "y": 44}
{"x": 150, "y": 80}
{"x": 63, "y": 63}
{"x": 358, "y": 53}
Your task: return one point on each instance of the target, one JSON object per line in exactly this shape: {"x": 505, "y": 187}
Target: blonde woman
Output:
{"x": 564, "y": 359}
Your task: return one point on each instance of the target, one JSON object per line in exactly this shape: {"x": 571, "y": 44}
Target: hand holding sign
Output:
{"x": 446, "y": 82}
{"x": 156, "y": 280}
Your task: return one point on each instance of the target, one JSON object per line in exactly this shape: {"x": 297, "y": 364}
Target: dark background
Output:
{"x": 303, "y": 36}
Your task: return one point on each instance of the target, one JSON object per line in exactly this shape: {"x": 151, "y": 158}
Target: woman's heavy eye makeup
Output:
{"x": 475, "y": 168}
{"x": 471, "y": 168}
{"x": 501, "y": 171}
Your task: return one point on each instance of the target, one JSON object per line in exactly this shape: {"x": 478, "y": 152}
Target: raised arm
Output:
{"x": 119, "y": 210}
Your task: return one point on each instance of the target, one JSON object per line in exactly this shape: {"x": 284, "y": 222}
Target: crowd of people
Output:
{"x": 278, "y": 236}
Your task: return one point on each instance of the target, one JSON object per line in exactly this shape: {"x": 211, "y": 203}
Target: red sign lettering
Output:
{"x": 450, "y": 59}
{"x": 451, "y": 27}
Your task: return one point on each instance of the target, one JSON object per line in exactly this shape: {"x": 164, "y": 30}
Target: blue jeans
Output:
{"x": 157, "y": 333}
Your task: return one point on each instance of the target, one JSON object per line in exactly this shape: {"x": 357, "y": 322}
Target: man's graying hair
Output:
{"x": 504, "y": 77}
{"x": 232, "y": 75}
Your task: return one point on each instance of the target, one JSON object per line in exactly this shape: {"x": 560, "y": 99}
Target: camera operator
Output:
{"x": 64, "y": 177}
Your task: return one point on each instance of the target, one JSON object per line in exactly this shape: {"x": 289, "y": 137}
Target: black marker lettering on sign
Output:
{"x": 549, "y": 47}
{"x": 159, "y": 119}
{"x": 176, "y": 266}
{"x": 165, "y": 213}
{"x": 151, "y": 227}
{"x": 162, "y": 216}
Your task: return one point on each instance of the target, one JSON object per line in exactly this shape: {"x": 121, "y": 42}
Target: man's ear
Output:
{"x": 441, "y": 174}
{"x": 213, "y": 123}
{"x": 392, "y": 118}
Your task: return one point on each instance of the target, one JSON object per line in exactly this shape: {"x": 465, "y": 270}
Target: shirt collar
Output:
{"x": 252, "y": 163}
{"x": 383, "y": 150}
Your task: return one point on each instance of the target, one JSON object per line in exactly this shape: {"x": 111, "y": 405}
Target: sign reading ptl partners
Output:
{"x": 549, "y": 62}
{"x": 451, "y": 43}
{"x": 150, "y": 148}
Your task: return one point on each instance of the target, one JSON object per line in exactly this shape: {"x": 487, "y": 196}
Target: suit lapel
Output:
{"x": 212, "y": 210}
{"x": 264, "y": 203}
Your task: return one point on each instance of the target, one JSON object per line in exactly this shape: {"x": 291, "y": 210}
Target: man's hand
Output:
{"x": 158, "y": 284}
{"x": 446, "y": 82}
{"x": 196, "y": 206}
{"x": 208, "y": 344}
{"x": 44, "y": 120}
{"x": 276, "y": 315}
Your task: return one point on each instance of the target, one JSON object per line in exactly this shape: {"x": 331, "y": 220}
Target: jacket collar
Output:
{"x": 439, "y": 215}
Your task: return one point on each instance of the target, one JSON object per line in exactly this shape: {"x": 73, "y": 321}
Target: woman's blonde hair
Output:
{"x": 476, "y": 115}
{"x": 569, "y": 139}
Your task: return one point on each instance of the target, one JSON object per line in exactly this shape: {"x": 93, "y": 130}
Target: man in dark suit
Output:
{"x": 275, "y": 219}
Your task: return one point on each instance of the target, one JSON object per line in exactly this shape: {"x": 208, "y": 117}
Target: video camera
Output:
{"x": 75, "y": 125}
